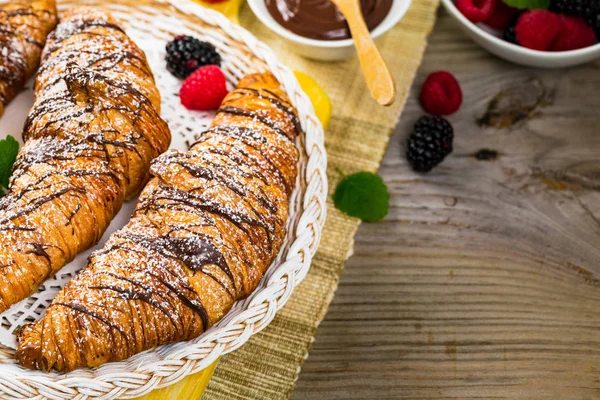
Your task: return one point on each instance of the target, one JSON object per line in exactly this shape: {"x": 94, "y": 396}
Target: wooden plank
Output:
{"x": 483, "y": 282}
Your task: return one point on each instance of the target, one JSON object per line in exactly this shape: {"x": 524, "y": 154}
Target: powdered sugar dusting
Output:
{"x": 204, "y": 231}
{"x": 23, "y": 30}
{"x": 89, "y": 140}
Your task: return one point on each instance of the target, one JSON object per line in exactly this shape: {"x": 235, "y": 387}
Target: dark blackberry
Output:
{"x": 587, "y": 9}
{"x": 185, "y": 54}
{"x": 430, "y": 143}
{"x": 510, "y": 35}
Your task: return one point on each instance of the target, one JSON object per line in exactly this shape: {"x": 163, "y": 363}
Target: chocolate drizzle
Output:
{"x": 193, "y": 251}
{"x": 138, "y": 291}
{"x": 222, "y": 174}
{"x": 250, "y": 138}
{"x": 274, "y": 99}
{"x": 202, "y": 235}
{"x": 175, "y": 197}
{"x": 32, "y": 206}
{"x": 39, "y": 250}
{"x": 80, "y": 79}
{"x": 253, "y": 115}
{"x": 143, "y": 295}
{"x": 74, "y": 27}
{"x": 86, "y": 310}
{"x": 89, "y": 140}
{"x": 73, "y": 213}
{"x": 23, "y": 31}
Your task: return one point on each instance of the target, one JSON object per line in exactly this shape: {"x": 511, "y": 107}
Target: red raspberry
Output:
{"x": 537, "y": 29}
{"x": 441, "y": 94}
{"x": 502, "y": 16}
{"x": 204, "y": 89}
{"x": 476, "y": 10}
{"x": 574, "y": 34}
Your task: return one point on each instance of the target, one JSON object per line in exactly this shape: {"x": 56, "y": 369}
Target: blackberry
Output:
{"x": 185, "y": 54}
{"x": 430, "y": 143}
{"x": 510, "y": 35}
{"x": 587, "y": 9}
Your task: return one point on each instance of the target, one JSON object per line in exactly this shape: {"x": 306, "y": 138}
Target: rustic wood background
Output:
{"x": 484, "y": 280}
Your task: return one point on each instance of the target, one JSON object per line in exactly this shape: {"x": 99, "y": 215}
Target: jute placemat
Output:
{"x": 268, "y": 365}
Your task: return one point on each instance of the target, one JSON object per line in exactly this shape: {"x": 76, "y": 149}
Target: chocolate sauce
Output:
{"x": 70, "y": 28}
{"x": 144, "y": 295}
{"x": 39, "y": 250}
{"x": 321, "y": 19}
{"x": 253, "y": 115}
{"x": 178, "y": 197}
{"x": 83, "y": 309}
{"x": 251, "y": 139}
{"x": 222, "y": 175}
{"x": 166, "y": 281}
{"x": 14, "y": 65}
{"x": 73, "y": 213}
{"x": 40, "y": 201}
{"x": 231, "y": 183}
{"x": 193, "y": 251}
{"x": 80, "y": 155}
{"x": 277, "y": 102}
{"x": 178, "y": 284}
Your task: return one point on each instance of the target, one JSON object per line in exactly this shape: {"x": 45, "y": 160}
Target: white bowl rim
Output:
{"x": 546, "y": 55}
{"x": 390, "y": 21}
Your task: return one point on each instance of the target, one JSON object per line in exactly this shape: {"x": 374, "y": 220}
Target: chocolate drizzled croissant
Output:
{"x": 24, "y": 26}
{"x": 89, "y": 140}
{"x": 205, "y": 230}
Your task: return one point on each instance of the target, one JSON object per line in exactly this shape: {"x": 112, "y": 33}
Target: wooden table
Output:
{"x": 484, "y": 279}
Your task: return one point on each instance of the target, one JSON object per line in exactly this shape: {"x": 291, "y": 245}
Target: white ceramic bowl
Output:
{"x": 491, "y": 41}
{"x": 328, "y": 50}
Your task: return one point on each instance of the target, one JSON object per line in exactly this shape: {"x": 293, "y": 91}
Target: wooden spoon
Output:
{"x": 378, "y": 76}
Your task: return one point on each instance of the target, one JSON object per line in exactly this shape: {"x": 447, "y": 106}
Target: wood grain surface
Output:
{"x": 484, "y": 280}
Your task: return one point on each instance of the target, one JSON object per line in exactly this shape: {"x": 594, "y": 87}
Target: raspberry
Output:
{"x": 502, "y": 16}
{"x": 441, "y": 94}
{"x": 537, "y": 29}
{"x": 574, "y": 34}
{"x": 185, "y": 54}
{"x": 430, "y": 143}
{"x": 204, "y": 90}
{"x": 476, "y": 10}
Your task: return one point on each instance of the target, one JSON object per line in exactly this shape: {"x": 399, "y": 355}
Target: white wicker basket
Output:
{"x": 152, "y": 23}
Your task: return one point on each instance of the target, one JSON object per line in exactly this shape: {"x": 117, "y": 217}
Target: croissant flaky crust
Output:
{"x": 205, "y": 230}
{"x": 89, "y": 140}
{"x": 24, "y": 26}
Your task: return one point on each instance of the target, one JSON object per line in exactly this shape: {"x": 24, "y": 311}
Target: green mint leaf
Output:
{"x": 528, "y": 4}
{"x": 9, "y": 148}
{"x": 362, "y": 195}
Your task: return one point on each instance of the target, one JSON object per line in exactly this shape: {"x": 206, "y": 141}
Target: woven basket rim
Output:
{"x": 127, "y": 380}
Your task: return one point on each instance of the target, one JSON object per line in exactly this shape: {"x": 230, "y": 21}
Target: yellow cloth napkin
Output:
{"x": 356, "y": 139}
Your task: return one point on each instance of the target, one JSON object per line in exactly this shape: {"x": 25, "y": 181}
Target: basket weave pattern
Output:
{"x": 165, "y": 365}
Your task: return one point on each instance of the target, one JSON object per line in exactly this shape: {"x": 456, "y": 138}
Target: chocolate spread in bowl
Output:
{"x": 320, "y": 19}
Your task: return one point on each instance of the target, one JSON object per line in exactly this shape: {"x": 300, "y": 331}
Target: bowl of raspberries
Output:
{"x": 537, "y": 33}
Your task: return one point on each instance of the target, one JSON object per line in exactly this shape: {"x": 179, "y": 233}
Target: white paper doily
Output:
{"x": 152, "y": 24}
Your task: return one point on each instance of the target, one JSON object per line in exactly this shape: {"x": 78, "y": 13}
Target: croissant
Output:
{"x": 203, "y": 233}
{"x": 24, "y": 26}
{"x": 89, "y": 140}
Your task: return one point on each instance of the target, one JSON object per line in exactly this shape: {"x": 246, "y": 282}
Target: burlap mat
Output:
{"x": 268, "y": 365}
